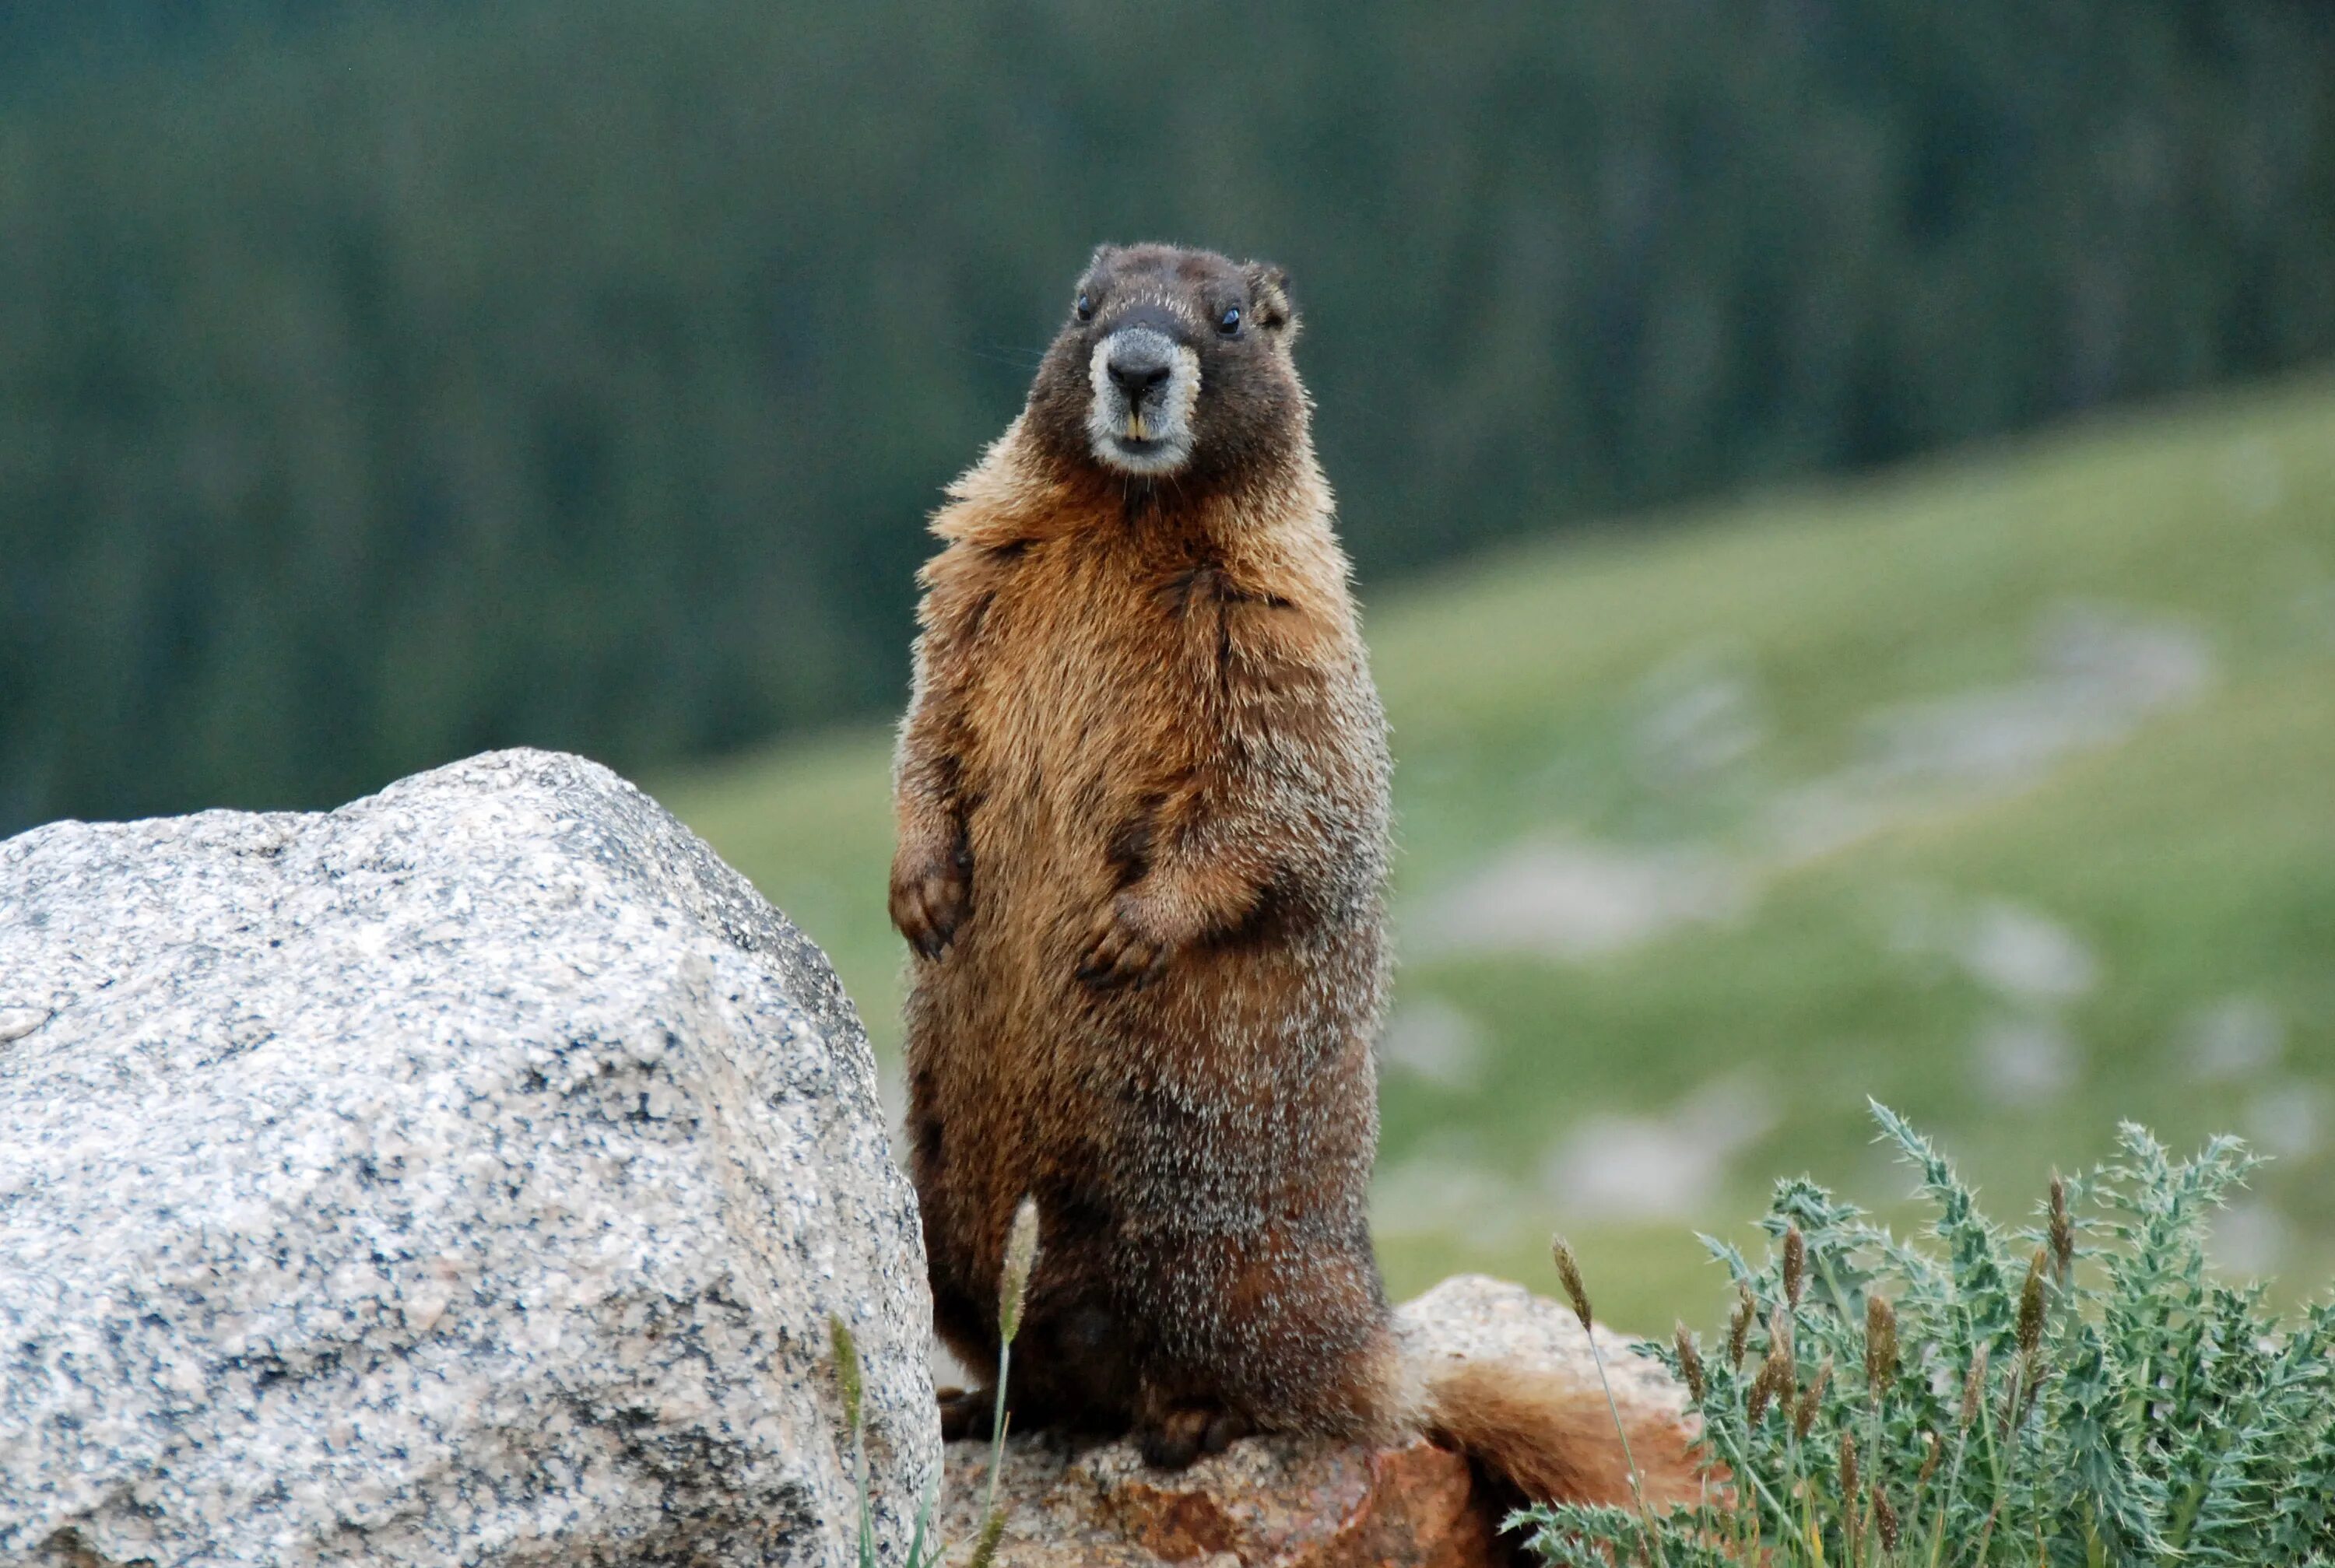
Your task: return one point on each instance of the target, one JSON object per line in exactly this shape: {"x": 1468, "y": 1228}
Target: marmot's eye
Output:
{"x": 1230, "y": 323}
{"x": 1085, "y": 308}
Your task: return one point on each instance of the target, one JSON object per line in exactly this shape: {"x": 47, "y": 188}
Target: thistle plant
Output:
{"x": 2077, "y": 1392}
{"x": 1013, "y": 1290}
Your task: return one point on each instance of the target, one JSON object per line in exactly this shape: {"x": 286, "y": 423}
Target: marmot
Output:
{"x": 1142, "y": 814}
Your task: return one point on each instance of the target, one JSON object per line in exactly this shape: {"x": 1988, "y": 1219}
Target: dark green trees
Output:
{"x": 381, "y": 384}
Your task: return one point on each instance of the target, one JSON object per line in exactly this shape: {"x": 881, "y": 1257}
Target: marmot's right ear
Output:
{"x": 1269, "y": 286}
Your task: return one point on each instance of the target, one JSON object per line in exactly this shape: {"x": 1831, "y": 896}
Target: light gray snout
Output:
{"x": 1145, "y": 385}
{"x": 1139, "y": 361}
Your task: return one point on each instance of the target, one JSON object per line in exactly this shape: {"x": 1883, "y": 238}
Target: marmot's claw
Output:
{"x": 930, "y": 903}
{"x": 1116, "y": 955}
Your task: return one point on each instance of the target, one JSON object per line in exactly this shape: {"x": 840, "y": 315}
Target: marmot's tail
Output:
{"x": 1552, "y": 1438}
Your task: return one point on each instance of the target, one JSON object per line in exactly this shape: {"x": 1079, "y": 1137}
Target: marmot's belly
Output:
{"x": 1243, "y": 1042}
{"x": 1234, "y": 1088}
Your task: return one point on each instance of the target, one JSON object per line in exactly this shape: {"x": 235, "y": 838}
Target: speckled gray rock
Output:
{"x": 462, "y": 1176}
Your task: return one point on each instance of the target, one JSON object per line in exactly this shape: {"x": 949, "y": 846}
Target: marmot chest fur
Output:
{"x": 1142, "y": 819}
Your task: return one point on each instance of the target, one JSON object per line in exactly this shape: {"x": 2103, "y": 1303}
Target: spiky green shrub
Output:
{"x": 2074, "y": 1392}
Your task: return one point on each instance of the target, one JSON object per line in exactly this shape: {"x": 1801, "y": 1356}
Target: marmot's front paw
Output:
{"x": 932, "y": 892}
{"x": 1126, "y": 946}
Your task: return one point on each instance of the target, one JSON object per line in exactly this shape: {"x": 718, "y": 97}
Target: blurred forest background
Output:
{"x": 1843, "y": 491}
{"x": 383, "y": 383}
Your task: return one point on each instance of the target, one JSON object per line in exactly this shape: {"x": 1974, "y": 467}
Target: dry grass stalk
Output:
{"x": 1020, "y": 1257}
{"x": 1763, "y": 1389}
{"x": 2030, "y": 1304}
{"x": 1975, "y": 1385}
{"x": 1690, "y": 1361}
{"x": 1739, "y": 1325}
{"x": 2062, "y": 1230}
{"x": 1568, "y": 1274}
{"x": 1885, "y": 1518}
{"x": 1812, "y": 1401}
{"x": 1879, "y": 1342}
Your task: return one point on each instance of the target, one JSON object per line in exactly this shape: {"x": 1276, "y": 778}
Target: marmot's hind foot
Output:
{"x": 967, "y": 1414}
{"x": 1182, "y": 1436}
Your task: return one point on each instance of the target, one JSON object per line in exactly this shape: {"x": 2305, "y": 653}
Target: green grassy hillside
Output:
{"x": 2001, "y": 789}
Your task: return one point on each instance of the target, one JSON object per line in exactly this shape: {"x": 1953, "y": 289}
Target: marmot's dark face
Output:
{"x": 1174, "y": 363}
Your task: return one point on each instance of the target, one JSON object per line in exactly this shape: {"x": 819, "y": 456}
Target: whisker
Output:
{"x": 1007, "y": 354}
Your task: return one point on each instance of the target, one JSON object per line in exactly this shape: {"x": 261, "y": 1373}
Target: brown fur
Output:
{"x": 1142, "y": 841}
{"x": 1551, "y": 1437}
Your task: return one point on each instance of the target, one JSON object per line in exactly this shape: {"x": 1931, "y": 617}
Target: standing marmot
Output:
{"x": 1142, "y": 817}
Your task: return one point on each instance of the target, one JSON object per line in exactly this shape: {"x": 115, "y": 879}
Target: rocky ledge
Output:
{"x": 1288, "y": 1503}
{"x": 470, "y": 1175}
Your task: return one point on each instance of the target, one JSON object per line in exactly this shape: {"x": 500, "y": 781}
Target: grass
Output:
{"x": 925, "y": 1549}
{"x": 2188, "y": 860}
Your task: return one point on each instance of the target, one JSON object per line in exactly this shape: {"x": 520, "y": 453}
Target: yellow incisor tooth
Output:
{"x": 1135, "y": 432}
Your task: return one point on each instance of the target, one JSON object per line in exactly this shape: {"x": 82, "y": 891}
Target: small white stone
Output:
{"x": 2022, "y": 1060}
{"x": 2237, "y": 1036}
{"x": 2289, "y": 1120}
{"x": 2250, "y": 1239}
{"x": 2025, "y": 955}
{"x": 1666, "y": 1166}
{"x": 1430, "y": 1037}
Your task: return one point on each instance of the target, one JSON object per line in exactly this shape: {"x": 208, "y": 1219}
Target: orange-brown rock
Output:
{"x": 1303, "y": 1503}
{"x": 1290, "y": 1502}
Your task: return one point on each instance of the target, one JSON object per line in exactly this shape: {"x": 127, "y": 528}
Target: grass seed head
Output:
{"x": 1763, "y": 1391}
{"x": 1569, "y": 1273}
{"x": 1879, "y": 1342}
{"x": 1020, "y": 1257}
{"x": 1975, "y": 1385}
{"x": 1931, "y": 1449}
{"x": 1811, "y": 1399}
{"x": 1690, "y": 1362}
{"x": 1739, "y": 1326}
{"x": 1796, "y": 1264}
{"x": 1779, "y": 1349}
{"x": 1848, "y": 1486}
{"x": 847, "y": 1369}
{"x": 1885, "y": 1518}
{"x": 1778, "y": 1374}
{"x": 2030, "y": 1304}
{"x": 2063, "y": 1231}
{"x": 992, "y": 1532}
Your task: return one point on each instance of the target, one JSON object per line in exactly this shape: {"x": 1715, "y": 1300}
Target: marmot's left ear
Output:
{"x": 1269, "y": 286}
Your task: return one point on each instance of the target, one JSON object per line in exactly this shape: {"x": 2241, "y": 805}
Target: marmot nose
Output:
{"x": 1137, "y": 367}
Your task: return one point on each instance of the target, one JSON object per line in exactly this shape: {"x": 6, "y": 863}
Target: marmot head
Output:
{"x": 1174, "y": 365}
